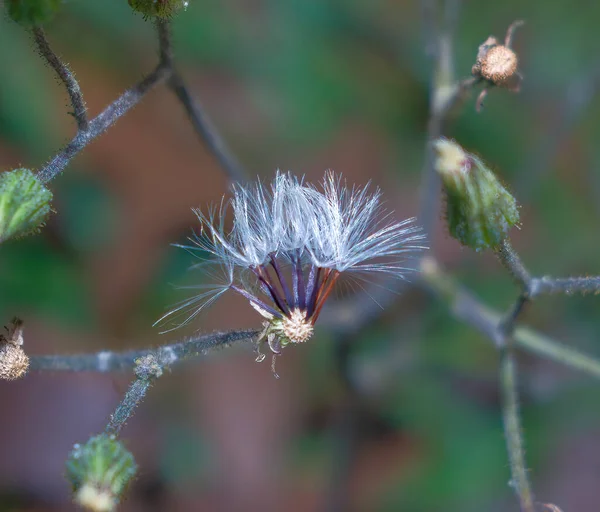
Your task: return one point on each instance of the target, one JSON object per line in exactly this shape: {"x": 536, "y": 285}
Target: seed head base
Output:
{"x": 296, "y": 327}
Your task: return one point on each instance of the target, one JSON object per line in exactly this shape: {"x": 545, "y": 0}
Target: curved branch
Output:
{"x": 65, "y": 75}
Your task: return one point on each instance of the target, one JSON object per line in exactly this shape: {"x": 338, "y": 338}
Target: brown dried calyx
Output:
{"x": 13, "y": 360}
{"x": 497, "y": 64}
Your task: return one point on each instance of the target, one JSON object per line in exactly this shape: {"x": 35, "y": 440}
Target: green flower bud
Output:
{"x": 32, "y": 12}
{"x": 479, "y": 210}
{"x": 24, "y": 203}
{"x": 158, "y": 8}
{"x": 99, "y": 472}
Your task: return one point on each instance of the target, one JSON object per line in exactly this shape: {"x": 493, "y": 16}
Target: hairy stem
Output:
{"x": 135, "y": 394}
{"x": 512, "y": 262}
{"x": 147, "y": 369}
{"x": 66, "y": 76}
{"x": 567, "y": 286}
{"x": 114, "y": 111}
{"x": 512, "y": 430}
{"x": 167, "y": 355}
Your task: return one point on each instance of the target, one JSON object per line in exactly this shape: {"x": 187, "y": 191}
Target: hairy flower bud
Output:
{"x": 24, "y": 203}
{"x": 32, "y": 12}
{"x": 158, "y": 8}
{"x": 479, "y": 210}
{"x": 99, "y": 471}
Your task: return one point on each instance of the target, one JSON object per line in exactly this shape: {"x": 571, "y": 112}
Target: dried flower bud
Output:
{"x": 32, "y": 12}
{"x": 13, "y": 360}
{"x": 99, "y": 471}
{"x": 480, "y": 211}
{"x": 24, "y": 203}
{"x": 496, "y": 63}
{"x": 158, "y": 8}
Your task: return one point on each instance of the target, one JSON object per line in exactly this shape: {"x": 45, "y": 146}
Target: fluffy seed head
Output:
{"x": 353, "y": 232}
{"x": 296, "y": 327}
{"x": 290, "y": 242}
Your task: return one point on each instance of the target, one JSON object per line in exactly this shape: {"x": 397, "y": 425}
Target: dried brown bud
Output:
{"x": 13, "y": 361}
{"x": 500, "y": 65}
{"x": 497, "y": 64}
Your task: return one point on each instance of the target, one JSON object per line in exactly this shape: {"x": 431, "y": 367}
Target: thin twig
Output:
{"x": 114, "y": 111}
{"x": 101, "y": 123}
{"x": 568, "y": 286}
{"x": 512, "y": 262}
{"x": 167, "y": 355}
{"x": 65, "y": 75}
{"x": 165, "y": 45}
{"x": 206, "y": 130}
{"x": 464, "y": 306}
{"x": 512, "y": 430}
{"x": 538, "y": 344}
{"x": 135, "y": 394}
{"x": 507, "y": 324}
{"x": 345, "y": 431}
{"x": 147, "y": 369}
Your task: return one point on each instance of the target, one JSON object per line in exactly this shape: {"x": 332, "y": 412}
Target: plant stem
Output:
{"x": 65, "y": 75}
{"x": 512, "y": 430}
{"x": 206, "y": 130}
{"x": 166, "y": 355}
{"x": 512, "y": 262}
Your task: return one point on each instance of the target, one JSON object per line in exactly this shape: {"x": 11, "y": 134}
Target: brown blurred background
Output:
{"x": 304, "y": 86}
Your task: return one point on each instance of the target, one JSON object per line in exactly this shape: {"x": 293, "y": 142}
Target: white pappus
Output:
{"x": 288, "y": 245}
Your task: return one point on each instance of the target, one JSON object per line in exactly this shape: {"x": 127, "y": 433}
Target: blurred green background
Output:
{"x": 307, "y": 85}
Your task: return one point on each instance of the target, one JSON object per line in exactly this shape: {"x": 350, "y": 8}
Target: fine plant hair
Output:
{"x": 335, "y": 249}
